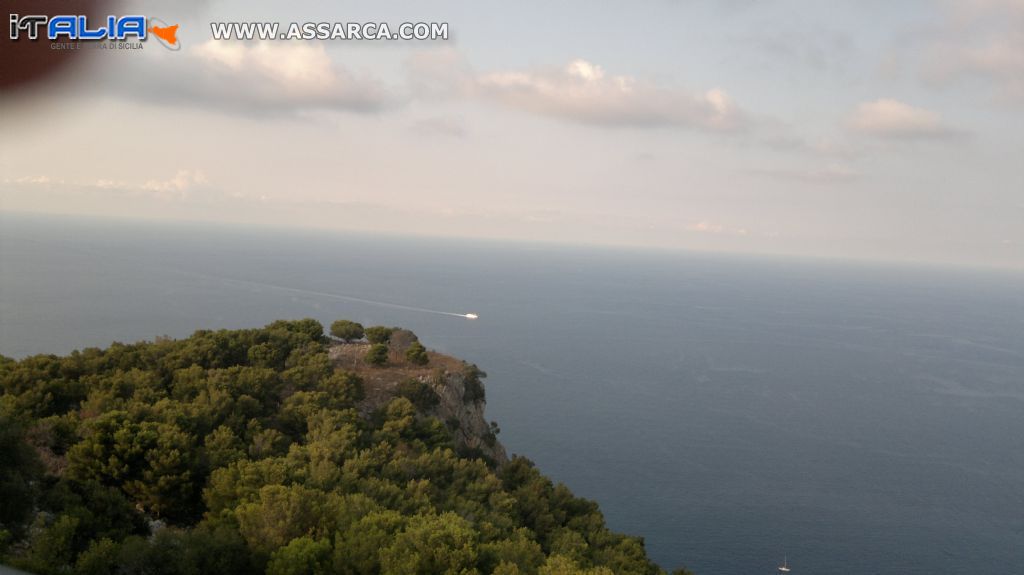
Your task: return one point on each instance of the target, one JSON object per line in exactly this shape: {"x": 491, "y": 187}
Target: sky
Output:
{"x": 846, "y": 129}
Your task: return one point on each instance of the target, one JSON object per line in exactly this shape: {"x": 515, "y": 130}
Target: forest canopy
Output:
{"x": 246, "y": 452}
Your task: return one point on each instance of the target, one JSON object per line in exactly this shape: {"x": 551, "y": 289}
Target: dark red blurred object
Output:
{"x": 25, "y": 62}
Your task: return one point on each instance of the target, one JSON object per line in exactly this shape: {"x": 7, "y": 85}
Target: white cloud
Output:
{"x": 262, "y": 78}
{"x": 178, "y": 187}
{"x": 579, "y": 91}
{"x": 33, "y": 180}
{"x": 888, "y": 118}
{"x": 108, "y": 184}
{"x": 295, "y": 77}
{"x": 583, "y": 92}
{"x": 706, "y": 227}
{"x": 297, "y": 68}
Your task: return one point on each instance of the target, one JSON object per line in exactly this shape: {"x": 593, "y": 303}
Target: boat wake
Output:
{"x": 355, "y": 299}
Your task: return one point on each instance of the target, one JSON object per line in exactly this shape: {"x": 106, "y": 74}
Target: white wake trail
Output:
{"x": 352, "y": 298}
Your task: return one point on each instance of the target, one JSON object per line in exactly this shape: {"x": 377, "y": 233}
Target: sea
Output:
{"x": 734, "y": 411}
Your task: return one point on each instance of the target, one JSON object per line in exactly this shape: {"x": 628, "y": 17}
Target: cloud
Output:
{"x": 178, "y": 187}
{"x": 981, "y": 39}
{"x": 888, "y": 118}
{"x": 269, "y": 78}
{"x": 33, "y": 180}
{"x": 580, "y": 92}
{"x": 261, "y": 78}
{"x": 583, "y": 92}
{"x": 706, "y": 227}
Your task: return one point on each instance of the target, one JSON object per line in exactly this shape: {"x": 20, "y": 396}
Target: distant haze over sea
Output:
{"x": 730, "y": 410}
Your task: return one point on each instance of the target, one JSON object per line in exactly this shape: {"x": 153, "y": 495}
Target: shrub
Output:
{"x": 474, "y": 387}
{"x": 379, "y": 334}
{"x": 247, "y": 452}
{"x": 347, "y": 330}
{"x": 417, "y": 354}
{"x": 420, "y": 394}
{"x": 378, "y": 354}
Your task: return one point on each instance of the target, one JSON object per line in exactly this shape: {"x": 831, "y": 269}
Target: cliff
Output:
{"x": 276, "y": 451}
{"x": 456, "y": 383}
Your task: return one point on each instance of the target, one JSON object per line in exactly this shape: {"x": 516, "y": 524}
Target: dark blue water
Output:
{"x": 731, "y": 410}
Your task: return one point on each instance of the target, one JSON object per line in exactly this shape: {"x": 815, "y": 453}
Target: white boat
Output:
{"x": 784, "y": 568}
{"x": 471, "y": 316}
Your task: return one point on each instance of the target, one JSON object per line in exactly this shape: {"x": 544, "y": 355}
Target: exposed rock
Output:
{"x": 461, "y": 411}
{"x": 400, "y": 341}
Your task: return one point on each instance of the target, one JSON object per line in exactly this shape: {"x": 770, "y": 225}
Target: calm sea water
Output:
{"x": 730, "y": 410}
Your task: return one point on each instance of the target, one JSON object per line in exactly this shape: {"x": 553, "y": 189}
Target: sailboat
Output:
{"x": 784, "y": 568}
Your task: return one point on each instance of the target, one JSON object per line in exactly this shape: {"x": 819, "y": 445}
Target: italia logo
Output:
{"x": 165, "y": 33}
{"x": 76, "y": 28}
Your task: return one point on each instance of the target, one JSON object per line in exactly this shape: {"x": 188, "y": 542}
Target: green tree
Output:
{"x": 280, "y": 514}
{"x": 378, "y": 334}
{"x": 443, "y": 543}
{"x": 258, "y": 455}
{"x": 99, "y": 559}
{"x": 218, "y": 547}
{"x": 347, "y": 330}
{"x": 561, "y": 565}
{"x": 520, "y": 550}
{"x": 165, "y": 553}
{"x": 265, "y": 355}
{"x": 474, "y": 387}
{"x": 378, "y": 354}
{"x": 267, "y": 443}
{"x": 19, "y": 469}
{"x": 53, "y": 545}
{"x": 102, "y": 511}
{"x": 417, "y": 354}
{"x": 422, "y": 395}
{"x": 343, "y": 388}
{"x": 223, "y": 447}
{"x": 302, "y": 556}
{"x": 357, "y": 549}
{"x": 506, "y": 568}
{"x": 153, "y": 462}
{"x": 307, "y": 328}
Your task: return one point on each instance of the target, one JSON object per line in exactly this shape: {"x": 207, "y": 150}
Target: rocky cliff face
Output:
{"x": 457, "y": 385}
{"x": 472, "y": 430}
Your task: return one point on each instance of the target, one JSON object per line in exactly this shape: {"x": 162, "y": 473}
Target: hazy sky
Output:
{"x": 868, "y": 129}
